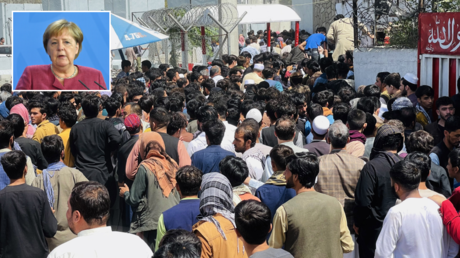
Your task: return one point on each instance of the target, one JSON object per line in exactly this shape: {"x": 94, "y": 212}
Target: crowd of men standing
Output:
{"x": 254, "y": 156}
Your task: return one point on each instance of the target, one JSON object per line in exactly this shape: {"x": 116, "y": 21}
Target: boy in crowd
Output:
{"x": 425, "y": 96}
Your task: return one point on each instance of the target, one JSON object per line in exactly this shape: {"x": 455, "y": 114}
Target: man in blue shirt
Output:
{"x": 313, "y": 42}
{"x": 208, "y": 160}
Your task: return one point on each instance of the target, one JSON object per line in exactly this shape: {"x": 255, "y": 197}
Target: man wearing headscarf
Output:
{"x": 153, "y": 190}
{"x": 374, "y": 195}
{"x": 216, "y": 227}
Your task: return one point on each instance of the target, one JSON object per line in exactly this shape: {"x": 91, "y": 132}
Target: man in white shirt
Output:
{"x": 216, "y": 74}
{"x": 87, "y": 216}
{"x": 413, "y": 228}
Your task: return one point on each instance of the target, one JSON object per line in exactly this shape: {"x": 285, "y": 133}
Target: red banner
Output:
{"x": 439, "y": 33}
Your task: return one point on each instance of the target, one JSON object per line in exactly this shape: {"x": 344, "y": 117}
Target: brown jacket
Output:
{"x": 212, "y": 242}
{"x": 313, "y": 78}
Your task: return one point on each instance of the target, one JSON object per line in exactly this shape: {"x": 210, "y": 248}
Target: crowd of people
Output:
{"x": 256, "y": 155}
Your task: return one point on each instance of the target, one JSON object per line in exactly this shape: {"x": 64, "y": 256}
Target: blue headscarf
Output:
{"x": 47, "y": 180}
{"x": 4, "y": 112}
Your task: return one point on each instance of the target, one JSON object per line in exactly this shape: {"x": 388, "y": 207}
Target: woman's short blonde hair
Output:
{"x": 56, "y": 28}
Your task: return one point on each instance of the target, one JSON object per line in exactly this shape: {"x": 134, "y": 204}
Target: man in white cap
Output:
{"x": 256, "y": 115}
{"x": 409, "y": 82}
{"x": 319, "y": 146}
{"x": 256, "y": 75}
{"x": 339, "y": 173}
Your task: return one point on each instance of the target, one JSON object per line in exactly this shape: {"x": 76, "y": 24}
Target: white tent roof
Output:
{"x": 267, "y": 13}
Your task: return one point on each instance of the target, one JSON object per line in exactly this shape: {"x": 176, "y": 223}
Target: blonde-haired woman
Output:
{"x": 62, "y": 41}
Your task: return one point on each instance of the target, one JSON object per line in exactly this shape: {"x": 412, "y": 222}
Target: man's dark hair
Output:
{"x": 214, "y": 130}
{"x": 160, "y": 117}
{"x": 346, "y": 94}
{"x": 366, "y": 104}
{"x": 134, "y": 91}
{"x": 454, "y": 157}
{"x": 13, "y": 163}
{"x": 171, "y": 73}
{"x": 235, "y": 169}
{"x": 452, "y": 124}
{"x": 7, "y": 87}
{"x": 383, "y": 75}
{"x": 43, "y": 108}
{"x": 177, "y": 249}
{"x": 313, "y": 65}
{"x": 195, "y": 76}
{"x": 146, "y": 63}
{"x": 92, "y": 200}
{"x": 408, "y": 116}
{"x": 285, "y": 128}
{"x": 342, "y": 70}
{"x": 393, "y": 79}
{"x": 189, "y": 180}
{"x": 324, "y": 98}
{"x": 52, "y": 147}
{"x": 444, "y": 101}
{"x": 422, "y": 161}
{"x": 192, "y": 107}
{"x": 371, "y": 123}
{"x": 286, "y": 108}
{"x": 372, "y": 91}
{"x": 391, "y": 142}
{"x": 224, "y": 84}
{"x": 176, "y": 105}
{"x": 406, "y": 174}
{"x": 314, "y": 110}
{"x": 208, "y": 84}
{"x": 250, "y": 129}
{"x": 253, "y": 220}
{"x": 424, "y": 90}
{"x": 412, "y": 87}
{"x": 221, "y": 107}
{"x": 177, "y": 122}
{"x": 356, "y": 119}
{"x": 341, "y": 111}
{"x": 146, "y": 103}
{"x": 321, "y": 29}
{"x": 324, "y": 63}
{"x": 91, "y": 106}
{"x": 68, "y": 115}
{"x": 279, "y": 155}
{"x": 6, "y": 131}
{"x": 419, "y": 141}
{"x": 18, "y": 124}
{"x": 180, "y": 235}
{"x": 125, "y": 63}
{"x": 206, "y": 113}
{"x": 305, "y": 165}
{"x": 66, "y": 96}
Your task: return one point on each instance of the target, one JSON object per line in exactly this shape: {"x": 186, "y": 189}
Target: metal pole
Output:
{"x": 269, "y": 37}
{"x": 296, "y": 33}
{"x": 203, "y": 45}
{"x": 355, "y": 23}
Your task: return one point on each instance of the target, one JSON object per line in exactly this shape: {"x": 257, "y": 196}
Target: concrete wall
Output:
{"x": 370, "y": 61}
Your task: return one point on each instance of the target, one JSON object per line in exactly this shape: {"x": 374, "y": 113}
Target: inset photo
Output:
{"x": 61, "y": 51}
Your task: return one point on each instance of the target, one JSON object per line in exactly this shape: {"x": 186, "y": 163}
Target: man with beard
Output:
{"x": 374, "y": 195}
{"x": 440, "y": 153}
{"x": 87, "y": 216}
{"x": 300, "y": 224}
{"x": 444, "y": 109}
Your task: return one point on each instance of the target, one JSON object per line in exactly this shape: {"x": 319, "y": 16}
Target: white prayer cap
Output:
{"x": 247, "y": 82}
{"x": 181, "y": 76}
{"x": 254, "y": 114}
{"x": 411, "y": 78}
{"x": 259, "y": 67}
{"x": 321, "y": 125}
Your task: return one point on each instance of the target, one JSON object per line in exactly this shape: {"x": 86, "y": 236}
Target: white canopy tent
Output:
{"x": 267, "y": 14}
